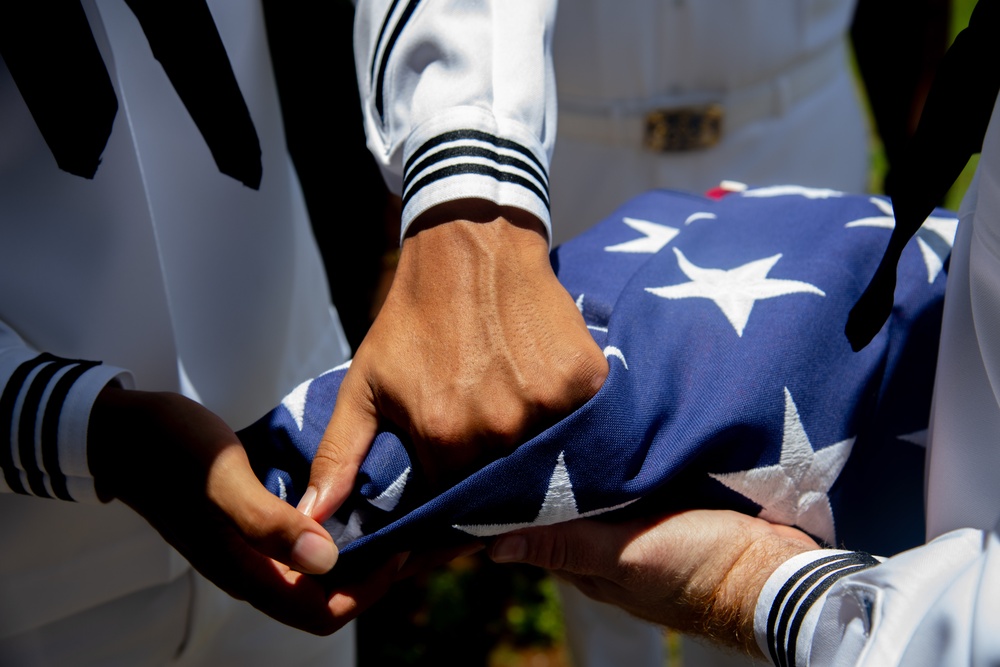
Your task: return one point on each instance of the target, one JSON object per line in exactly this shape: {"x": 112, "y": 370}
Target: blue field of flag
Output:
{"x": 731, "y": 384}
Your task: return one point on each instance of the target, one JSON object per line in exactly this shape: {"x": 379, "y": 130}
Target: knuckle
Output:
{"x": 559, "y": 552}
{"x": 330, "y": 453}
{"x": 338, "y": 451}
{"x": 550, "y": 550}
{"x": 577, "y": 379}
{"x": 443, "y": 428}
{"x": 590, "y": 372}
{"x": 548, "y": 399}
{"x": 261, "y": 523}
{"x": 504, "y": 428}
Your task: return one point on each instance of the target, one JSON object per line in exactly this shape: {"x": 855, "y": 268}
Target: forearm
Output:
{"x": 717, "y": 590}
{"x": 729, "y": 613}
{"x": 699, "y": 571}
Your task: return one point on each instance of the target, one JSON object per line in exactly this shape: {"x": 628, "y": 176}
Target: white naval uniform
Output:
{"x": 938, "y": 604}
{"x": 777, "y": 68}
{"x": 177, "y": 278}
{"x": 459, "y": 100}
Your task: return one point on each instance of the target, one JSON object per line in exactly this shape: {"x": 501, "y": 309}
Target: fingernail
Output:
{"x": 308, "y": 500}
{"x": 509, "y": 549}
{"x": 314, "y": 554}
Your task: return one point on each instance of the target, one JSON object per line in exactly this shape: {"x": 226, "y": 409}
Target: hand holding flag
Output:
{"x": 477, "y": 348}
{"x": 731, "y": 386}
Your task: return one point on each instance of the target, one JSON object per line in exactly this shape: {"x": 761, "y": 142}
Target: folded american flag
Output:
{"x": 731, "y": 385}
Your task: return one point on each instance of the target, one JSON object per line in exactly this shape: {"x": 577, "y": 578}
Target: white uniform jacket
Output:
{"x": 774, "y": 74}
{"x": 459, "y": 100}
{"x": 172, "y": 275}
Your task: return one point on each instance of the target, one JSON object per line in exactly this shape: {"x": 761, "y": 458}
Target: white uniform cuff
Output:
{"x": 45, "y": 412}
{"x": 790, "y": 603}
{"x": 469, "y": 153}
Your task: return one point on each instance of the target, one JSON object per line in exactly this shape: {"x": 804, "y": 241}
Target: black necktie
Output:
{"x": 951, "y": 130}
{"x": 183, "y": 37}
{"x": 53, "y": 59}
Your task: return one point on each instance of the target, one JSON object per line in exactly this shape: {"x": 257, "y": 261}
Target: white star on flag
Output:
{"x": 295, "y": 401}
{"x": 388, "y": 499}
{"x": 799, "y": 190}
{"x": 885, "y": 221}
{"x": 385, "y": 501}
{"x": 656, "y": 236}
{"x": 794, "y": 492}
{"x": 734, "y": 291}
{"x": 559, "y": 505}
{"x": 945, "y": 228}
{"x": 612, "y": 351}
{"x": 694, "y": 217}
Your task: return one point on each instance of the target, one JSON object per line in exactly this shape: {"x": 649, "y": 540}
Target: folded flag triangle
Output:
{"x": 731, "y": 385}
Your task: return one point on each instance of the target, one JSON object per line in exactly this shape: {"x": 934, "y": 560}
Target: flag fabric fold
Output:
{"x": 731, "y": 385}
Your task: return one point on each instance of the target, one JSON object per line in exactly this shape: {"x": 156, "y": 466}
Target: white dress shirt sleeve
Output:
{"x": 459, "y": 100}
{"x": 938, "y": 604}
{"x": 45, "y": 404}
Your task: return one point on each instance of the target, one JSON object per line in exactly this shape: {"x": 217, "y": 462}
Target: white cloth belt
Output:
{"x": 623, "y": 122}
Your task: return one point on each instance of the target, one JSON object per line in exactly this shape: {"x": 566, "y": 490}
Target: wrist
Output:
{"x": 727, "y": 605}
{"x": 474, "y": 242}
{"x": 120, "y": 436}
{"x": 741, "y": 588}
{"x": 485, "y": 217}
{"x": 107, "y": 417}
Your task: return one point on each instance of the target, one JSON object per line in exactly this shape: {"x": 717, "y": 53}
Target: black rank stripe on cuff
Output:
{"x": 797, "y": 596}
{"x": 48, "y": 367}
{"x": 383, "y": 63}
{"x": 498, "y": 158}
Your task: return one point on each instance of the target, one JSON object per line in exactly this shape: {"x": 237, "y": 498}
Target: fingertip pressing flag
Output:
{"x": 731, "y": 385}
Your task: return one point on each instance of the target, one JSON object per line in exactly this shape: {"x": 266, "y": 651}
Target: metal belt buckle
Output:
{"x": 684, "y": 128}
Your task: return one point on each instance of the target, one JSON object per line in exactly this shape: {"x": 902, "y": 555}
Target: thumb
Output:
{"x": 268, "y": 524}
{"x": 343, "y": 448}
{"x": 581, "y": 547}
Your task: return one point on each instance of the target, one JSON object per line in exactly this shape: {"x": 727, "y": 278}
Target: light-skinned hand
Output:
{"x": 699, "y": 572}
